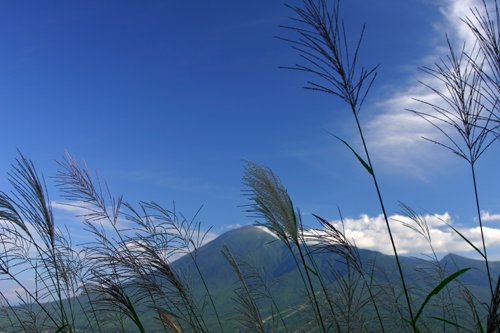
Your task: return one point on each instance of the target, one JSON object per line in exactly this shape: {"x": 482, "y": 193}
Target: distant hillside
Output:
{"x": 273, "y": 257}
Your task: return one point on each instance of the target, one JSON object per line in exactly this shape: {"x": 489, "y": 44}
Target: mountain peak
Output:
{"x": 246, "y": 229}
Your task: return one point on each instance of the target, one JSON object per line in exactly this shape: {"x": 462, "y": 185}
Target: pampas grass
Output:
{"x": 125, "y": 278}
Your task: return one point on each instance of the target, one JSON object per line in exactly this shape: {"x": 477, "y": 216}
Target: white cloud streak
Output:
{"x": 79, "y": 211}
{"x": 232, "y": 226}
{"x": 70, "y": 208}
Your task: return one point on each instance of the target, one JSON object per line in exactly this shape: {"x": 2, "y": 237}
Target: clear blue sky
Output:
{"x": 163, "y": 99}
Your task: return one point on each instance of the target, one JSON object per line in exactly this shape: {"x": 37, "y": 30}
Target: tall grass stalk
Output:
{"x": 29, "y": 223}
{"x": 258, "y": 279}
{"x": 421, "y": 226}
{"x": 249, "y": 312}
{"x": 332, "y": 240}
{"x": 466, "y": 112}
{"x": 323, "y": 45}
{"x": 274, "y": 205}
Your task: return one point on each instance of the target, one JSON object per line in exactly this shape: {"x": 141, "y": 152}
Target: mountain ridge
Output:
{"x": 273, "y": 259}
{"x": 265, "y": 246}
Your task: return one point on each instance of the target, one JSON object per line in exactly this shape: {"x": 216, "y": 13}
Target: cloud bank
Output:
{"x": 371, "y": 233}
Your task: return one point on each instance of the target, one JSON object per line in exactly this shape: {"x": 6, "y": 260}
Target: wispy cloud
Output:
{"x": 74, "y": 214}
{"x": 454, "y": 11}
{"x": 395, "y": 134}
{"x": 69, "y": 208}
{"x": 231, "y": 226}
{"x": 237, "y": 225}
{"x": 11, "y": 291}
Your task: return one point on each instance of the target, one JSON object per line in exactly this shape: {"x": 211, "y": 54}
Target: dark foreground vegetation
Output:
{"x": 302, "y": 280}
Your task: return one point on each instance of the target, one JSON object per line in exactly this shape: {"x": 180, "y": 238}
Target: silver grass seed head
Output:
{"x": 271, "y": 202}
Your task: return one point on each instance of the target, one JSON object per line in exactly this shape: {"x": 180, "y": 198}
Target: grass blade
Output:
{"x": 312, "y": 271}
{"x": 452, "y": 323}
{"x": 479, "y": 322}
{"x": 367, "y": 167}
{"x": 137, "y": 321}
{"x": 61, "y": 328}
{"x": 468, "y": 241}
{"x": 439, "y": 288}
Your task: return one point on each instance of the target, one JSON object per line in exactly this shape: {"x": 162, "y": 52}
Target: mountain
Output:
{"x": 277, "y": 262}
{"x": 274, "y": 260}
{"x": 275, "y": 257}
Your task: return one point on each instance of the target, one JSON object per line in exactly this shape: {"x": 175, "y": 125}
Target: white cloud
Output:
{"x": 237, "y": 225}
{"x": 231, "y": 226}
{"x": 12, "y": 292}
{"x": 454, "y": 11}
{"x": 371, "y": 233}
{"x": 210, "y": 236}
{"x": 79, "y": 211}
{"x": 124, "y": 226}
{"x": 486, "y": 216}
{"x": 395, "y": 135}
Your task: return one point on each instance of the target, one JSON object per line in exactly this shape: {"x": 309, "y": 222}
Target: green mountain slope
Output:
{"x": 273, "y": 259}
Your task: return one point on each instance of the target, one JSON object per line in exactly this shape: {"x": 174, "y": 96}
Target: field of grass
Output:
{"x": 304, "y": 280}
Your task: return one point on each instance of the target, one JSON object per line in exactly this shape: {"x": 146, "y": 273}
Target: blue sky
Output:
{"x": 163, "y": 99}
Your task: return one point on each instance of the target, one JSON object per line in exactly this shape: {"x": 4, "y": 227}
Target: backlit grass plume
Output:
{"x": 274, "y": 205}
{"x": 271, "y": 202}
